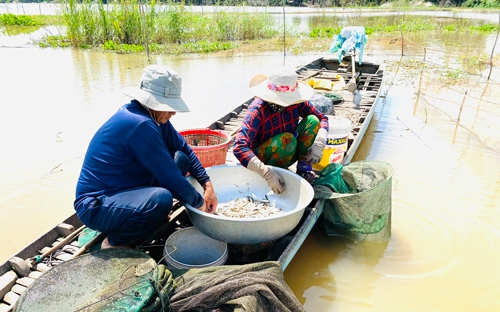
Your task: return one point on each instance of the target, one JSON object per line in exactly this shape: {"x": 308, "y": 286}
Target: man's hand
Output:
{"x": 211, "y": 201}
{"x": 203, "y": 207}
{"x": 274, "y": 180}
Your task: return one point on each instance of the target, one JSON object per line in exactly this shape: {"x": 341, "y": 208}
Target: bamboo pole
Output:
{"x": 459, "y": 115}
{"x": 418, "y": 93}
{"x": 145, "y": 29}
{"x": 402, "y": 42}
{"x": 402, "y": 36}
{"x": 38, "y": 259}
{"x": 284, "y": 34}
{"x": 87, "y": 246}
{"x": 493, "y": 49}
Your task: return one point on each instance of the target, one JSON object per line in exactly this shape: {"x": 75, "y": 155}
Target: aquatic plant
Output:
{"x": 485, "y": 27}
{"x": 19, "y": 20}
{"x": 406, "y": 23}
{"x": 57, "y": 41}
{"x": 134, "y": 23}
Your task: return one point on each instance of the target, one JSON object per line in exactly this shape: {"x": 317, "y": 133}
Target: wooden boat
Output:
{"x": 59, "y": 244}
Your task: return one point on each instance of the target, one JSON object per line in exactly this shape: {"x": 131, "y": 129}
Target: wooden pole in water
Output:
{"x": 402, "y": 42}
{"x": 284, "y": 34}
{"x": 144, "y": 23}
{"x": 402, "y": 36}
{"x": 493, "y": 49}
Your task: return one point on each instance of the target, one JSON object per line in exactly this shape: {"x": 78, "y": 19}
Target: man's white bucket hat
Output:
{"x": 159, "y": 89}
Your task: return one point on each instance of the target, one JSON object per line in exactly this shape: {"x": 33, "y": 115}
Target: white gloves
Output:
{"x": 316, "y": 150}
{"x": 274, "y": 180}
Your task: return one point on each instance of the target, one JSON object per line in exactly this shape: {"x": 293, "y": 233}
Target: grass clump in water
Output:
{"x": 19, "y": 20}
{"x": 484, "y": 28}
{"x": 380, "y": 24}
{"x": 190, "y": 47}
{"x": 23, "y": 24}
{"x": 127, "y": 25}
{"x": 54, "y": 42}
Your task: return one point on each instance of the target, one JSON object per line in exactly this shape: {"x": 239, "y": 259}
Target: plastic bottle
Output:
{"x": 336, "y": 142}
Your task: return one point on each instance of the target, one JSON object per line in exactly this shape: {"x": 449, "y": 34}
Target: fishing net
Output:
{"x": 258, "y": 287}
{"x": 104, "y": 280}
{"x": 130, "y": 280}
{"x": 357, "y": 200}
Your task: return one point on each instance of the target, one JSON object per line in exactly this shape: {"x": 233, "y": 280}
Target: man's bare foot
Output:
{"x": 106, "y": 245}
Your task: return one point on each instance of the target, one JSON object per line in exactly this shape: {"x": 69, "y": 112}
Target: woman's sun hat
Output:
{"x": 281, "y": 87}
{"x": 159, "y": 89}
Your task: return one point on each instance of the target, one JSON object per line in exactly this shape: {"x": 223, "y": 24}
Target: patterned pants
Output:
{"x": 284, "y": 149}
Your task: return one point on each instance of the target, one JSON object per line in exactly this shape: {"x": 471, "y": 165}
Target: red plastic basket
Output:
{"x": 210, "y": 146}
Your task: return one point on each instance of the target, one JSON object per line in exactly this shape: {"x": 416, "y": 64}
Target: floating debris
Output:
{"x": 248, "y": 207}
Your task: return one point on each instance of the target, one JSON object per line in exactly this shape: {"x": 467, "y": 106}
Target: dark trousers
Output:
{"x": 129, "y": 216}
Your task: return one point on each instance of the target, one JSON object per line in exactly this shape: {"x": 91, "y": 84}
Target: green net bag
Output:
{"x": 357, "y": 199}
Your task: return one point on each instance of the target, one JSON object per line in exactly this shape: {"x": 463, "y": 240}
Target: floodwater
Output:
{"x": 442, "y": 141}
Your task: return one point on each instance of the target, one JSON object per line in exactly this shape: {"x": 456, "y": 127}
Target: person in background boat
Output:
{"x": 272, "y": 133}
{"x": 137, "y": 162}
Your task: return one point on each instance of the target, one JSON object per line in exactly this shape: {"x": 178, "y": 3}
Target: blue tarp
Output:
{"x": 349, "y": 38}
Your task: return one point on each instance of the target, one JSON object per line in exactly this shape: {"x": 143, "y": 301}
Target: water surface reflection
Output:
{"x": 445, "y": 222}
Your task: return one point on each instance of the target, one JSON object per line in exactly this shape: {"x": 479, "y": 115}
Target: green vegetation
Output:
{"x": 54, "y": 42}
{"x": 129, "y": 26}
{"x": 25, "y": 24}
{"x": 132, "y": 26}
{"x": 19, "y": 20}
{"x": 454, "y": 73}
{"x": 405, "y": 23}
{"x": 28, "y": 20}
{"x": 327, "y": 32}
{"x": 481, "y": 4}
{"x": 334, "y": 3}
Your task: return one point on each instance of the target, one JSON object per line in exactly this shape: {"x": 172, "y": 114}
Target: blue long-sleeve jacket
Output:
{"x": 131, "y": 150}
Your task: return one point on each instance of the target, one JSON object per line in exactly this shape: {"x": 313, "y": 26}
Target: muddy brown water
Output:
{"x": 442, "y": 141}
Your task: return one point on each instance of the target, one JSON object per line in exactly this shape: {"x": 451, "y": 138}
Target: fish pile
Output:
{"x": 248, "y": 207}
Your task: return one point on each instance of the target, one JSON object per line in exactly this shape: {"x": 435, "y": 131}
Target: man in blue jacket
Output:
{"x": 136, "y": 164}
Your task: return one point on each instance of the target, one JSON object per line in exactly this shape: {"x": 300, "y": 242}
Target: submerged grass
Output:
{"x": 442, "y": 74}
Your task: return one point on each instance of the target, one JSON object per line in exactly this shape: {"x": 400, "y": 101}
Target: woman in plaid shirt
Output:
{"x": 280, "y": 127}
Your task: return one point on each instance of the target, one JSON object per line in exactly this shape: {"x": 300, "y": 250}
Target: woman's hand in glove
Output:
{"x": 274, "y": 180}
{"x": 316, "y": 150}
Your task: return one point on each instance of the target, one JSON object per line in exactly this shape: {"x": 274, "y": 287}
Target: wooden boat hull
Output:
{"x": 369, "y": 78}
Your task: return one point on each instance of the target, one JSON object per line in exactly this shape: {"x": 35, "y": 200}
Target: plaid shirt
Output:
{"x": 261, "y": 122}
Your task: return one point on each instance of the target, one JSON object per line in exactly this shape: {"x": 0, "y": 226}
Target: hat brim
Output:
{"x": 156, "y": 102}
{"x": 258, "y": 87}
